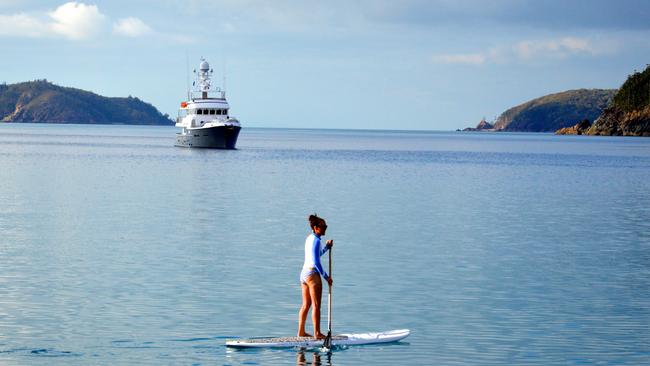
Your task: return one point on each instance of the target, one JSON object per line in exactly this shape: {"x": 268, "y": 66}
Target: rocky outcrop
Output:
{"x": 629, "y": 112}
{"x": 482, "y": 126}
{"x": 579, "y": 128}
{"x": 615, "y": 122}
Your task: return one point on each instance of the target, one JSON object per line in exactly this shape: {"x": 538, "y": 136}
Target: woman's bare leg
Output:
{"x": 304, "y": 310}
{"x": 315, "y": 290}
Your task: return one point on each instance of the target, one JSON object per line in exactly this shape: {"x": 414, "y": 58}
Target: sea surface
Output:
{"x": 118, "y": 248}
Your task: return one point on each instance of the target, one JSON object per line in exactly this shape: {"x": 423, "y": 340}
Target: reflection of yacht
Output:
{"x": 204, "y": 119}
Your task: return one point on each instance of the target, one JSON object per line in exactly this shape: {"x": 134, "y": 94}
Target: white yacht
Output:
{"x": 205, "y": 118}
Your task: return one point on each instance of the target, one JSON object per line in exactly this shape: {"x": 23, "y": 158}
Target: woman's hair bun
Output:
{"x": 314, "y": 220}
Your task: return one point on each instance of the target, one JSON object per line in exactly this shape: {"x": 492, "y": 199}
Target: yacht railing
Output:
{"x": 216, "y": 94}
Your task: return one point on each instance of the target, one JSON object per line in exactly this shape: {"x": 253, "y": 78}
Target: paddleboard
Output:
{"x": 310, "y": 342}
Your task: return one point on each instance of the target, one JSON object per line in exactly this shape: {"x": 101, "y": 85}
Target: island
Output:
{"x": 41, "y": 101}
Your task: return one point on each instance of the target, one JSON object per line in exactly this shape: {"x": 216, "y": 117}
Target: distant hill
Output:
{"x": 554, "y": 111}
{"x": 629, "y": 112}
{"x": 42, "y": 101}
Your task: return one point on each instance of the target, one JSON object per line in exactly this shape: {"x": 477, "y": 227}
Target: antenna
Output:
{"x": 224, "y": 77}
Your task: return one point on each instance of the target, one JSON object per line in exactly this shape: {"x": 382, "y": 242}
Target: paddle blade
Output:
{"x": 327, "y": 343}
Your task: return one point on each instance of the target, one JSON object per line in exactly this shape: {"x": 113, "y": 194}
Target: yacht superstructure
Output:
{"x": 205, "y": 119}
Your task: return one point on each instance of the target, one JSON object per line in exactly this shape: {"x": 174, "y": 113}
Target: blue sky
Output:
{"x": 365, "y": 64}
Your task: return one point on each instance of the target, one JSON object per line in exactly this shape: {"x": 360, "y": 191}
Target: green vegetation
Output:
{"x": 42, "y": 101}
{"x": 629, "y": 112}
{"x": 627, "y": 115}
{"x": 635, "y": 93}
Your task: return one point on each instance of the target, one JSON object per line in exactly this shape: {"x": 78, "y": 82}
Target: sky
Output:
{"x": 343, "y": 64}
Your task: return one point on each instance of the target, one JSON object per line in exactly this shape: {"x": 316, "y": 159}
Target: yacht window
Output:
{"x": 211, "y": 111}
{"x": 219, "y": 112}
{"x": 199, "y": 111}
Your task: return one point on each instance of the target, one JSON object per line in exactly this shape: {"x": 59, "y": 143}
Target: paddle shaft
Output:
{"x": 329, "y": 301}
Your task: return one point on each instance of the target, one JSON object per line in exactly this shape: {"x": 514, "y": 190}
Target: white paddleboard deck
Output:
{"x": 310, "y": 342}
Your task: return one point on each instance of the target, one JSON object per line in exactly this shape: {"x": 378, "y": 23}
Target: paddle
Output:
{"x": 327, "y": 343}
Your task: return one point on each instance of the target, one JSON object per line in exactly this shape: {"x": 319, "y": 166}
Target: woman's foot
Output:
{"x": 304, "y": 334}
{"x": 320, "y": 336}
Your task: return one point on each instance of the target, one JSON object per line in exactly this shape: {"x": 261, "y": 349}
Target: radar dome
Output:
{"x": 204, "y": 66}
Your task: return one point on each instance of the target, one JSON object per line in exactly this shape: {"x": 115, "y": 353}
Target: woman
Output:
{"x": 310, "y": 281}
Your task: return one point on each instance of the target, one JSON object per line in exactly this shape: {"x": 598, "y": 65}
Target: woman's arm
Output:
{"x": 327, "y": 247}
{"x": 316, "y": 253}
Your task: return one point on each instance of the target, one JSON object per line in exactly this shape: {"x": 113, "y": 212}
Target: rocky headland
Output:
{"x": 628, "y": 114}
{"x": 43, "y": 102}
{"x": 550, "y": 112}
{"x": 554, "y": 111}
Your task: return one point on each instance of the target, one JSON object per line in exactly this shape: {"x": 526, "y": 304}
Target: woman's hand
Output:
{"x": 330, "y": 243}
{"x": 329, "y": 280}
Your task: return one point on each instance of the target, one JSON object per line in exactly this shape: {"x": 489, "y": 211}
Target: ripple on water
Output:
{"x": 492, "y": 249}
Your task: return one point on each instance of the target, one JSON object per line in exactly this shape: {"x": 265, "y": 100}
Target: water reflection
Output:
{"x": 316, "y": 360}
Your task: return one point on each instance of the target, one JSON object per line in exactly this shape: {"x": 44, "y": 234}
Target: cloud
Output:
{"x": 77, "y": 21}
{"x": 560, "y": 48}
{"x": 72, "y": 20}
{"x": 134, "y": 27}
{"x": 22, "y": 25}
{"x": 131, "y": 27}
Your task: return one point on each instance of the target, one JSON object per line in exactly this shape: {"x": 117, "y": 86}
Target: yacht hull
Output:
{"x": 221, "y": 137}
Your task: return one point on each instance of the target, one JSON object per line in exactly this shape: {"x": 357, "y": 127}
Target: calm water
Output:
{"x": 117, "y": 248}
